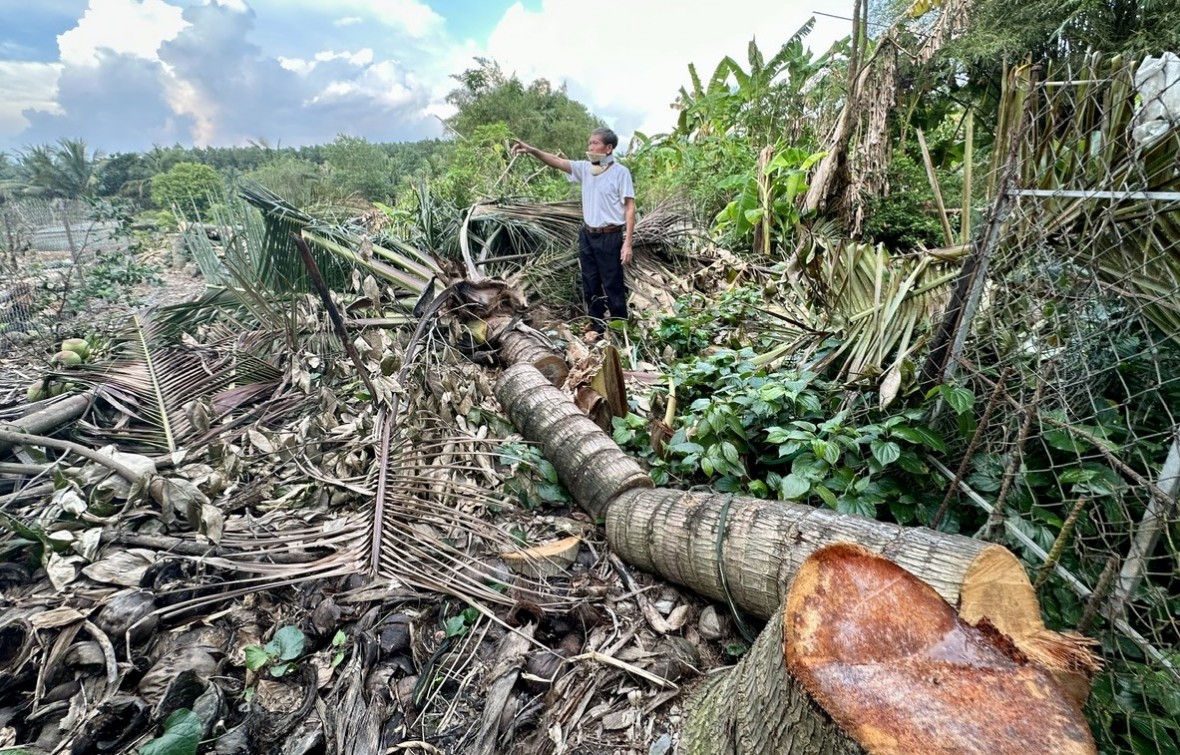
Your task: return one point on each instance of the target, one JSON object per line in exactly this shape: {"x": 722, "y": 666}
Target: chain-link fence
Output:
{"x": 46, "y": 247}
{"x": 1070, "y": 338}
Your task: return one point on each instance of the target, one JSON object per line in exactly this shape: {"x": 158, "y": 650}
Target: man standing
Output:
{"x": 608, "y": 222}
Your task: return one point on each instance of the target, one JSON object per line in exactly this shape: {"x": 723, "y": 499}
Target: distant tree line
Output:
{"x": 491, "y": 108}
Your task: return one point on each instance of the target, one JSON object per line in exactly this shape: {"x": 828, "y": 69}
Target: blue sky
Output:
{"x": 127, "y": 74}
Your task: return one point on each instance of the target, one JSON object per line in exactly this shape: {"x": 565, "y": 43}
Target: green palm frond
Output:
{"x": 335, "y": 249}
{"x": 277, "y": 260}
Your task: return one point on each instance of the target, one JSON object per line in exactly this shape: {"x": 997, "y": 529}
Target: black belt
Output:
{"x": 603, "y": 228}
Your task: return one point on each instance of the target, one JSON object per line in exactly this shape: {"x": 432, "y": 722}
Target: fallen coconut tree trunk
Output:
{"x": 749, "y": 552}
{"x": 707, "y": 541}
{"x": 523, "y": 348}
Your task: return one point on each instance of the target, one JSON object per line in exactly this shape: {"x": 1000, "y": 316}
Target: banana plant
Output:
{"x": 765, "y": 204}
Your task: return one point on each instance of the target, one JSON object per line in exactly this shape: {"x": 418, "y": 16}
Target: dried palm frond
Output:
{"x": 529, "y": 227}
{"x": 432, "y": 535}
{"x": 670, "y": 227}
{"x": 152, "y": 384}
{"x": 854, "y": 167}
{"x": 1080, "y": 155}
{"x": 875, "y": 304}
{"x": 543, "y": 240}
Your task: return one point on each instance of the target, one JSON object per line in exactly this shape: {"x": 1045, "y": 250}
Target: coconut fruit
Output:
{"x": 36, "y": 391}
{"x": 68, "y": 358}
{"x": 79, "y": 346}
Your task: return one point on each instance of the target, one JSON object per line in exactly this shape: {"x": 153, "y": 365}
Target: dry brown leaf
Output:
{"x": 123, "y": 567}
{"x": 56, "y": 617}
{"x": 541, "y": 561}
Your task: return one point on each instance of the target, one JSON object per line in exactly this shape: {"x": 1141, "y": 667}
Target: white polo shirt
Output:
{"x": 603, "y": 195}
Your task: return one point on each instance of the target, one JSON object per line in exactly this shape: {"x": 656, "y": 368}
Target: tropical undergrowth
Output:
{"x": 754, "y": 427}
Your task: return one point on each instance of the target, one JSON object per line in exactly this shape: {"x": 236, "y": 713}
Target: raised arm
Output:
{"x": 553, "y": 161}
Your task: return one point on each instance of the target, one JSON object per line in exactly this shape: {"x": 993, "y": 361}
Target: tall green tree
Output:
{"x": 188, "y": 187}
{"x": 358, "y": 166}
{"x": 67, "y": 170}
{"x": 537, "y": 113}
{"x": 764, "y": 101}
{"x": 1056, "y": 30}
{"x": 11, "y": 180}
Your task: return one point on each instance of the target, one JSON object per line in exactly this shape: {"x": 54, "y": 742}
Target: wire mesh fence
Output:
{"x": 47, "y": 248}
{"x": 1071, "y": 343}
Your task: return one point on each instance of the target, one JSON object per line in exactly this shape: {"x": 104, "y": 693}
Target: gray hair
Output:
{"x": 609, "y": 138}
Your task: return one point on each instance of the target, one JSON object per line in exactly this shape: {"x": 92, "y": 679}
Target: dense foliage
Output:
{"x": 537, "y": 112}
{"x": 751, "y": 427}
{"x": 189, "y": 188}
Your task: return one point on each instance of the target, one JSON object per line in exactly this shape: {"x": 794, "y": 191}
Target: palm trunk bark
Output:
{"x": 51, "y": 417}
{"x": 708, "y": 541}
{"x": 757, "y": 708}
{"x": 755, "y": 548}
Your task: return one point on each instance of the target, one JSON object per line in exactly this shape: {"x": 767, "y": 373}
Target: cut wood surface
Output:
{"x": 900, "y": 672}
{"x": 893, "y": 669}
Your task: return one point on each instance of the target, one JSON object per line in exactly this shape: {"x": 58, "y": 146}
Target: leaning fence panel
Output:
{"x": 1076, "y": 339}
{"x": 47, "y": 250}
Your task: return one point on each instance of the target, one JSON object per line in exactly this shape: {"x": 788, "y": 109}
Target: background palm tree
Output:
{"x": 67, "y": 170}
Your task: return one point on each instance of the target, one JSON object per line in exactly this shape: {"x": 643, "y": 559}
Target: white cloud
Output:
{"x": 297, "y": 65}
{"x": 412, "y": 16}
{"x": 362, "y": 57}
{"x": 134, "y": 27}
{"x": 222, "y": 71}
{"x": 359, "y": 59}
{"x": 628, "y": 60}
{"x": 25, "y": 86}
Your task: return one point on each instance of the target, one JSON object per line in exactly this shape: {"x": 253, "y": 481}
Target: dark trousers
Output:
{"x": 603, "y": 286}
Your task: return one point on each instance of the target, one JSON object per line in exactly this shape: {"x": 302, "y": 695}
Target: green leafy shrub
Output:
{"x": 906, "y": 218}
{"x": 698, "y": 322}
{"x": 111, "y": 278}
{"x": 788, "y": 435}
{"x": 188, "y": 187}
{"x": 279, "y": 655}
{"x": 534, "y": 479}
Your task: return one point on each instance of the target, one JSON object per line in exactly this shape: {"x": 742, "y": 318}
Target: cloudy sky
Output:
{"x": 127, "y": 74}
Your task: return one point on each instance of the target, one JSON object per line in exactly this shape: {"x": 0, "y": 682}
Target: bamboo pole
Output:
{"x": 1147, "y": 533}
{"x": 947, "y": 233}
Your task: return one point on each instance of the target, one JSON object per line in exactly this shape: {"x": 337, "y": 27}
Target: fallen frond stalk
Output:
{"x": 120, "y": 468}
